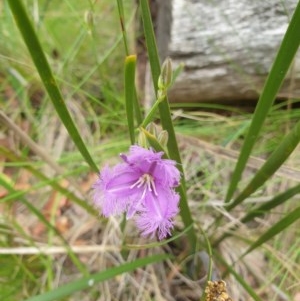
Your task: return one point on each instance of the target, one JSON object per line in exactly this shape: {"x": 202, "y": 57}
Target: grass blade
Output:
{"x": 86, "y": 282}
{"x": 285, "y": 55}
{"x": 122, "y": 23}
{"x": 277, "y": 158}
{"x": 130, "y": 63}
{"x": 264, "y": 208}
{"x": 151, "y": 43}
{"x": 40, "y": 61}
{"x": 276, "y": 201}
{"x": 274, "y": 230}
{"x": 165, "y": 116}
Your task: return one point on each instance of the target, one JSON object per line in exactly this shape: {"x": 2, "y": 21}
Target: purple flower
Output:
{"x": 142, "y": 186}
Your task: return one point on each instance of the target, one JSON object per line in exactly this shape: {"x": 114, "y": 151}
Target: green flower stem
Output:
{"x": 152, "y": 111}
{"x": 130, "y": 64}
{"x": 166, "y": 120}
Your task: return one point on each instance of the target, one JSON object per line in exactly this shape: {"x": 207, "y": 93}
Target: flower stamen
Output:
{"x": 147, "y": 181}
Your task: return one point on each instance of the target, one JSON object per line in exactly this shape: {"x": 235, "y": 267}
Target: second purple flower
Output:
{"x": 143, "y": 186}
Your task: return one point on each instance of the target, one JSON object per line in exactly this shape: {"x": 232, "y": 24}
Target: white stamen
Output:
{"x": 147, "y": 181}
{"x": 154, "y": 188}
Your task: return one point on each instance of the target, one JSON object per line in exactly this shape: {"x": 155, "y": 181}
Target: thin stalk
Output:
{"x": 166, "y": 120}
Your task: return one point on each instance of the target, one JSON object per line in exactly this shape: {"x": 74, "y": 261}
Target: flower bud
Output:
{"x": 89, "y": 20}
{"x": 152, "y": 129}
{"x": 165, "y": 78}
{"x": 142, "y": 139}
{"x": 163, "y": 138}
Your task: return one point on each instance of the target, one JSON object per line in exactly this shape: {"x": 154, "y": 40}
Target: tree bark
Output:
{"x": 227, "y": 47}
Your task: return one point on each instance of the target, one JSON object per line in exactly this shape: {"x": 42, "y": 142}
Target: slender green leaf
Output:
{"x": 274, "y": 202}
{"x": 186, "y": 217}
{"x": 286, "y": 221}
{"x": 122, "y": 23}
{"x": 130, "y": 92}
{"x": 277, "y": 158}
{"x": 130, "y": 64}
{"x": 264, "y": 209}
{"x": 285, "y": 55}
{"x": 41, "y": 63}
{"x": 151, "y": 43}
{"x": 87, "y": 282}
{"x": 165, "y": 117}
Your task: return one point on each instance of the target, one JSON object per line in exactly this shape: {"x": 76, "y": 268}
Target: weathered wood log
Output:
{"x": 227, "y": 47}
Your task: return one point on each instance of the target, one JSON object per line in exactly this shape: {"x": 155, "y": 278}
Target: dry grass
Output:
{"x": 99, "y": 243}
